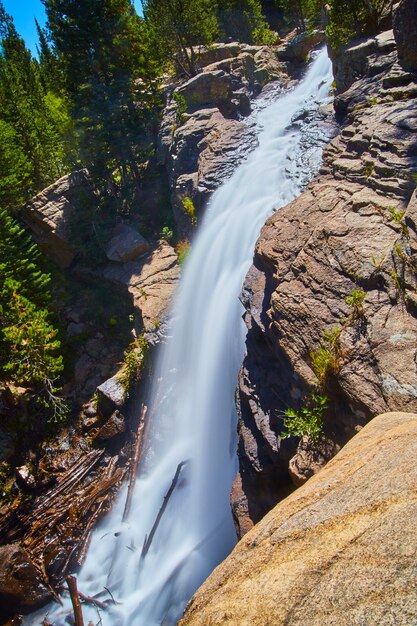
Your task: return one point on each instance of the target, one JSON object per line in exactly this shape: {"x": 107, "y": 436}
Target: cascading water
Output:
{"x": 192, "y": 404}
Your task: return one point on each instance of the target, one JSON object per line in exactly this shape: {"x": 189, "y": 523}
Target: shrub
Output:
{"x": 355, "y": 301}
{"x": 167, "y": 234}
{"x": 189, "y": 208}
{"x": 326, "y": 360}
{"x": 308, "y": 421}
{"x": 183, "y": 250}
{"x": 181, "y": 108}
{"x": 134, "y": 358}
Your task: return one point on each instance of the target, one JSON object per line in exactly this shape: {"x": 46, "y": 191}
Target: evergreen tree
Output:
{"x": 19, "y": 261}
{"x": 244, "y": 21}
{"x": 179, "y": 26}
{"x": 350, "y": 19}
{"x": 111, "y": 81}
{"x": 29, "y": 348}
{"x": 32, "y": 124}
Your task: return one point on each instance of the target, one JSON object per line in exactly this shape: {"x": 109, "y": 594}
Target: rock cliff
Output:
{"x": 340, "y": 550}
{"x": 340, "y": 261}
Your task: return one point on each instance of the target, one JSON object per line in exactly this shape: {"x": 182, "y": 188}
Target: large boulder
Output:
{"x": 355, "y": 60}
{"x": 218, "y": 52}
{"x": 151, "y": 282}
{"x": 405, "y": 31}
{"x": 298, "y": 48}
{"x": 21, "y": 589}
{"x": 111, "y": 396}
{"x": 206, "y": 88}
{"x": 340, "y": 550}
{"x": 126, "y": 244}
{"x": 49, "y": 215}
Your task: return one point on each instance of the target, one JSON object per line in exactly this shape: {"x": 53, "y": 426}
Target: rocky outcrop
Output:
{"x": 405, "y": 28}
{"x": 202, "y": 144}
{"x": 150, "y": 281}
{"x": 49, "y": 214}
{"x": 358, "y": 58}
{"x": 207, "y": 88}
{"x": 297, "y": 48}
{"x": 126, "y": 244}
{"x": 340, "y": 550}
{"x": 353, "y": 231}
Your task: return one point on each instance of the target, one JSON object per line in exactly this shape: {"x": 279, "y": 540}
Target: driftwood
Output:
{"x": 75, "y": 599}
{"x": 148, "y": 540}
{"x": 59, "y": 525}
{"x": 137, "y": 452}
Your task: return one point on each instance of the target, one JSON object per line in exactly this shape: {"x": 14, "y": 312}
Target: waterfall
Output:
{"x": 192, "y": 402}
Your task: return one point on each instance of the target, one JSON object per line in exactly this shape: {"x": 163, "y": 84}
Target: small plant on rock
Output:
{"x": 326, "y": 360}
{"x": 181, "y": 108}
{"x": 355, "y": 301}
{"x": 189, "y": 208}
{"x": 183, "y": 250}
{"x": 134, "y": 358}
{"x": 167, "y": 234}
{"x": 308, "y": 421}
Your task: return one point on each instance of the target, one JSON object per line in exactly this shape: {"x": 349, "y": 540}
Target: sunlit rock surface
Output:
{"x": 354, "y": 228}
{"x": 340, "y": 550}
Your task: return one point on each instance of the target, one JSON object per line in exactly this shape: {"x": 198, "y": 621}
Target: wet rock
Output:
{"x": 201, "y": 148}
{"x": 111, "y": 396}
{"x": 126, "y": 244}
{"x": 340, "y": 550}
{"x": 405, "y": 30}
{"x": 21, "y": 589}
{"x": 115, "y": 425}
{"x": 49, "y": 213}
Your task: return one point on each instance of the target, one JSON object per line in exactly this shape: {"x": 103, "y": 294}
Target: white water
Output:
{"x": 195, "y": 419}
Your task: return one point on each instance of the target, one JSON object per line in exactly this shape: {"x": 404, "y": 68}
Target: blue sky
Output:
{"x": 24, "y": 13}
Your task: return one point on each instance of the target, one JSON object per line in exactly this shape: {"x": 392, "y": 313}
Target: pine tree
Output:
{"x": 19, "y": 261}
{"x": 29, "y": 348}
{"x": 350, "y": 19}
{"x": 111, "y": 82}
{"x": 244, "y": 21}
{"x": 30, "y": 126}
{"x": 180, "y": 26}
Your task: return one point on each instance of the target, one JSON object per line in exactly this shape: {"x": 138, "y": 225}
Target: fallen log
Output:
{"x": 148, "y": 540}
{"x": 137, "y": 452}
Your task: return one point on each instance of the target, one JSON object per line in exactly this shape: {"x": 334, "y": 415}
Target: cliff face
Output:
{"x": 354, "y": 230}
{"x": 340, "y": 550}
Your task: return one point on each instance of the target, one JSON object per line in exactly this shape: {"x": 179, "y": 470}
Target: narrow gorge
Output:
{"x": 240, "y": 350}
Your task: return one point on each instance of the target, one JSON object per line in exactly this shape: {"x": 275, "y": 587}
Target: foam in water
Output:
{"x": 193, "y": 397}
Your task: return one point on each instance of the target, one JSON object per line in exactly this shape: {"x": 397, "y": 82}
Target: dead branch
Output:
{"x": 75, "y": 599}
{"x": 148, "y": 540}
{"x": 137, "y": 451}
{"x": 91, "y": 600}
